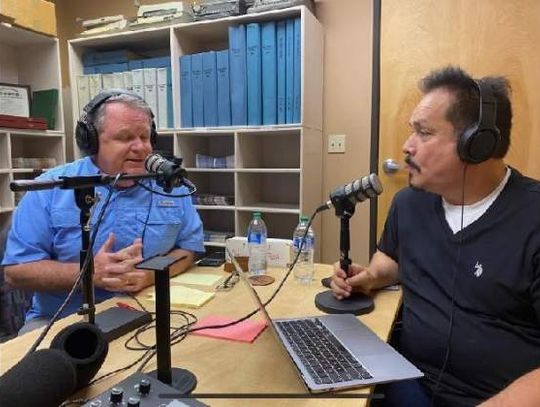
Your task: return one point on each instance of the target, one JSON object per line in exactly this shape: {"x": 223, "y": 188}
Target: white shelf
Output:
{"x": 270, "y": 170}
{"x": 214, "y": 244}
{"x": 215, "y": 207}
{"x": 33, "y": 133}
{"x": 195, "y": 169}
{"x": 270, "y": 208}
{"x": 30, "y": 59}
{"x": 15, "y": 36}
{"x": 277, "y": 168}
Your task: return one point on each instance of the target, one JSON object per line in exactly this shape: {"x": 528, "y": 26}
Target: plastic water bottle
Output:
{"x": 304, "y": 268}
{"x": 256, "y": 238}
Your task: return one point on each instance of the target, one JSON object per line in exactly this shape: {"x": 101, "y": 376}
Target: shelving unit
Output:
{"x": 277, "y": 169}
{"x": 28, "y": 58}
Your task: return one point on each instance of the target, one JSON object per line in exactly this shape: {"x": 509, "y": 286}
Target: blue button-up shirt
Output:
{"x": 46, "y": 226}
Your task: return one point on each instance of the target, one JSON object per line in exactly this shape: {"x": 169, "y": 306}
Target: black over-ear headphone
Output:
{"x": 86, "y": 133}
{"x": 479, "y": 142}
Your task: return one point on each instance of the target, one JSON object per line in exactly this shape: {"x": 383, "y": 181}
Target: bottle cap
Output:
{"x": 304, "y": 218}
{"x": 256, "y": 215}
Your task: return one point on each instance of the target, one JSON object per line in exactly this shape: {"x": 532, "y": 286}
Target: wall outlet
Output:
{"x": 336, "y": 143}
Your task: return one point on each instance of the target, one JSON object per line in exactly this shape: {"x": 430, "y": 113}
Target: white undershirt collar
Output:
{"x": 474, "y": 211}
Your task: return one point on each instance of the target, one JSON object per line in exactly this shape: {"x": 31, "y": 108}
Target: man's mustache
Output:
{"x": 411, "y": 163}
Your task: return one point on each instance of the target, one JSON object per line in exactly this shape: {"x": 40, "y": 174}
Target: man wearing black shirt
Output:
{"x": 464, "y": 241}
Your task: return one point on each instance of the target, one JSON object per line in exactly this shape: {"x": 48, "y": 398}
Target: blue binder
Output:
{"x": 237, "y": 73}
{"x": 254, "y": 72}
{"x": 92, "y": 58}
{"x": 135, "y": 64}
{"x": 210, "y": 89}
{"x": 197, "y": 89}
{"x": 88, "y": 70}
{"x": 186, "y": 106}
{"x": 289, "y": 73}
{"x": 157, "y": 62}
{"x": 297, "y": 71}
{"x": 223, "y": 90}
{"x": 269, "y": 73}
{"x": 111, "y": 68}
{"x": 281, "y": 69}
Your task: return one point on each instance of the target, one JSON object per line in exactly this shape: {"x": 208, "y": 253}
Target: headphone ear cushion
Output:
{"x": 86, "y": 136}
{"x": 476, "y": 146}
{"x": 81, "y": 136}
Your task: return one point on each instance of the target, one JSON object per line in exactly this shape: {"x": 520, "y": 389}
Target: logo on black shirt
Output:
{"x": 478, "y": 269}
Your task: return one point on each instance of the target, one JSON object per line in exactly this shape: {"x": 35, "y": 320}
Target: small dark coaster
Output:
{"x": 261, "y": 280}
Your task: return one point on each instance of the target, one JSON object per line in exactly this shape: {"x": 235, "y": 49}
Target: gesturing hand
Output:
{"x": 115, "y": 271}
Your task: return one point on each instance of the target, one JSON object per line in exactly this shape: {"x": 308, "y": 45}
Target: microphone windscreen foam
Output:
{"x": 44, "y": 378}
{"x": 86, "y": 346}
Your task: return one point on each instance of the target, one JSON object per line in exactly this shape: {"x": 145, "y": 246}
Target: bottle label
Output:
{"x": 256, "y": 237}
{"x": 308, "y": 245}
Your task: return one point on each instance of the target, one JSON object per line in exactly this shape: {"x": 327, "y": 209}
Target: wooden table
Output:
{"x": 228, "y": 367}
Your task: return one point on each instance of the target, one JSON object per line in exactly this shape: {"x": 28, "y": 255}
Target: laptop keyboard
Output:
{"x": 325, "y": 358}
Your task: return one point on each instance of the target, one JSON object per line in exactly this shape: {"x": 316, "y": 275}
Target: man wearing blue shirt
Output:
{"x": 42, "y": 254}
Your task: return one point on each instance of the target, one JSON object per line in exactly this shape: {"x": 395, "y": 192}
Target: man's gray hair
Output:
{"x": 132, "y": 101}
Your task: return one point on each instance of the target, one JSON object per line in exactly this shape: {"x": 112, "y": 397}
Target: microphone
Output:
{"x": 47, "y": 377}
{"x": 349, "y": 195}
{"x": 86, "y": 347}
{"x": 44, "y": 378}
{"x": 170, "y": 174}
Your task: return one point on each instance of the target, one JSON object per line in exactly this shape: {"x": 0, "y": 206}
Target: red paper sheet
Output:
{"x": 246, "y": 331}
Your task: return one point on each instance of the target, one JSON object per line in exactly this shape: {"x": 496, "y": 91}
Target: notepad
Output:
{"x": 245, "y": 331}
{"x": 197, "y": 279}
{"x": 186, "y": 297}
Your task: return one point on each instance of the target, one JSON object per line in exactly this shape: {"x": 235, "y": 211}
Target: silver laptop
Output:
{"x": 335, "y": 352}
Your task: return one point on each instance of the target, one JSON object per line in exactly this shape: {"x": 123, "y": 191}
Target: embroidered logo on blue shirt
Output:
{"x": 166, "y": 202}
{"x": 478, "y": 269}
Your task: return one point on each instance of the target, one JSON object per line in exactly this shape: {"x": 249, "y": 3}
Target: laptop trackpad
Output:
{"x": 355, "y": 336}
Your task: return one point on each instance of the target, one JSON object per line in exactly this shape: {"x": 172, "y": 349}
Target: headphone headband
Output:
{"x": 480, "y": 142}
{"x": 86, "y": 134}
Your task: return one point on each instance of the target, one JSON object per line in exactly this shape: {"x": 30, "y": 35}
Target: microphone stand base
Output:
{"x": 356, "y": 304}
{"x": 182, "y": 380}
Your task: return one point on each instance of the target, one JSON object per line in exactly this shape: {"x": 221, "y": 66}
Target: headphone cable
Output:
{"x": 452, "y": 291}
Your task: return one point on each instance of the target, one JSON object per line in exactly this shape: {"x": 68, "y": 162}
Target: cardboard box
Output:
{"x": 279, "y": 253}
{"x": 35, "y": 15}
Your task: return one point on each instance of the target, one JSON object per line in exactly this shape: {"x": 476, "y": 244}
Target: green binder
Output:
{"x": 44, "y": 103}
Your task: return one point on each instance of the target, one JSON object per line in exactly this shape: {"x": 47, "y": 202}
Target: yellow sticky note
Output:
{"x": 187, "y": 297}
{"x": 197, "y": 279}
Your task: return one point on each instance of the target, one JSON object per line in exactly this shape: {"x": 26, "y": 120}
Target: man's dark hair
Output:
{"x": 465, "y": 110}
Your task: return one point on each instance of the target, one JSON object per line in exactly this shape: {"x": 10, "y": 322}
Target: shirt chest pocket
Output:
{"x": 66, "y": 232}
{"x": 159, "y": 229}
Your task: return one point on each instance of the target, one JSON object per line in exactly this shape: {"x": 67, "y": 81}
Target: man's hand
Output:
{"x": 342, "y": 286}
{"x": 115, "y": 271}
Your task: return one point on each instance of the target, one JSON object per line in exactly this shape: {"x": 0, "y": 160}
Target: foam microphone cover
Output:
{"x": 86, "y": 346}
{"x": 44, "y": 378}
